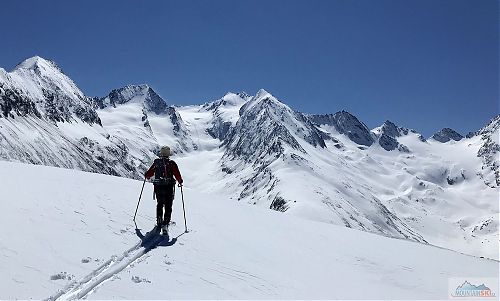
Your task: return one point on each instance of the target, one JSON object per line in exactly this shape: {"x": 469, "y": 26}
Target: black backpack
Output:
{"x": 163, "y": 172}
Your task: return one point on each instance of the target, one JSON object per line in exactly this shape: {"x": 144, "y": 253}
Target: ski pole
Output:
{"x": 184, "y": 209}
{"x": 139, "y": 200}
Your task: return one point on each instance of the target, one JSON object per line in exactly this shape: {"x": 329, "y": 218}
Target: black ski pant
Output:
{"x": 164, "y": 199}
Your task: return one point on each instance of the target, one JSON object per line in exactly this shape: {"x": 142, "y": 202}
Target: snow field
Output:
{"x": 64, "y": 228}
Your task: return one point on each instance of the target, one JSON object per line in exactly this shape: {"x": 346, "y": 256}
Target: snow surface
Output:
{"x": 69, "y": 234}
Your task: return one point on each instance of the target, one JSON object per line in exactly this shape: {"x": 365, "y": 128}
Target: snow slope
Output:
{"x": 75, "y": 145}
{"x": 70, "y": 234}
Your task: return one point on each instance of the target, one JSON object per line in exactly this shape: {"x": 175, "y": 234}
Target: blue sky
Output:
{"x": 423, "y": 64}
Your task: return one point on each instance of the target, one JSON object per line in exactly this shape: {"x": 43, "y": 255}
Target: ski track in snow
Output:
{"x": 79, "y": 289}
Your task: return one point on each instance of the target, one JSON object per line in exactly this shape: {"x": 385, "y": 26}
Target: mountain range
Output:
{"x": 331, "y": 168}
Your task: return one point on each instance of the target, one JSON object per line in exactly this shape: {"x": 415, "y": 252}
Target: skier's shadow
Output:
{"x": 153, "y": 239}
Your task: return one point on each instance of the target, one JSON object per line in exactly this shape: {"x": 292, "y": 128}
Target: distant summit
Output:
{"x": 143, "y": 102}
{"x": 37, "y": 62}
{"x": 347, "y": 124}
{"x": 388, "y": 133}
{"x": 225, "y": 112}
{"x": 394, "y": 131}
{"x": 135, "y": 93}
{"x": 492, "y": 126}
{"x": 38, "y": 87}
{"x": 266, "y": 126}
{"x": 446, "y": 135}
{"x": 261, "y": 96}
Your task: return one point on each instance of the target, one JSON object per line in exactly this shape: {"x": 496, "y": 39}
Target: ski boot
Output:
{"x": 159, "y": 224}
{"x": 164, "y": 229}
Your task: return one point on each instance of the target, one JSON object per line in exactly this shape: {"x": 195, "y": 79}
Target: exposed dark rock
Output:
{"x": 279, "y": 204}
{"x": 347, "y": 124}
{"x": 388, "y": 143}
{"x": 12, "y": 101}
{"x": 489, "y": 151}
{"x": 394, "y": 131}
{"x": 446, "y": 135}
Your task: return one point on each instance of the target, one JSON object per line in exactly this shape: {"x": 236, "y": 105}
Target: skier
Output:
{"x": 164, "y": 171}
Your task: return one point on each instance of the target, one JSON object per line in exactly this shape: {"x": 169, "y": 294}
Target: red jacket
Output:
{"x": 173, "y": 168}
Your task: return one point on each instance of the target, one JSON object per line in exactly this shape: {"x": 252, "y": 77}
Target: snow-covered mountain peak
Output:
{"x": 268, "y": 128}
{"x": 139, "y": 88}
{"x": 225, "y": 113}
{"x": 392, "y": 130}
{"x": 262, "y": 93}
{"x": 3, "y": 75}
{"x": 36, "y": 74}
{"x": 262, "y": 98}
{"x": 232, "y": 99}
{"x": 129, "y": 93}
{"x": 388, "y": 128}
{"x": 141, "y": 105}
{"x": 37, "y": 62}
{"x": 446, "y": 135}
{"x": 347, "y": 124}
{"x": 140, "y": 94}
{"x": 45, "y": 71}
{"x": 491, "y": 127}
{"x": 230, "y": 102}
{"x": 38, "y": 87}
{"x": 244, "y": 95}
{"x": 388, "y": 133}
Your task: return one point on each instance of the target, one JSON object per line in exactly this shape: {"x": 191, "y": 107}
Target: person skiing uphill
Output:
{"x": 164, "y": 170}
